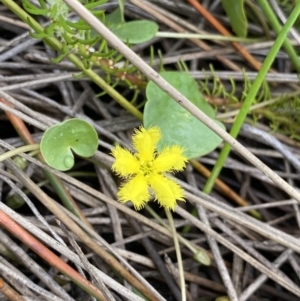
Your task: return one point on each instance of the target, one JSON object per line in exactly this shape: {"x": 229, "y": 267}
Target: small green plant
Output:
{"x": 75, "y": 36}
{"x": 61, "y": 140}
{"x": 213, "y": 87}
{"x": 79, "y": 38}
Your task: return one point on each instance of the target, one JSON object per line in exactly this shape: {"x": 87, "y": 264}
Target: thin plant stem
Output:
{"x": 260, "y": 17}
{"x": 272, "y": 18}
{"x": 251, "y": 96}
{"x": 199, "y": 254}
{"x": 186, "y": 35}
{"x": 178, "y": 254}
{"x": 19, "y": 150}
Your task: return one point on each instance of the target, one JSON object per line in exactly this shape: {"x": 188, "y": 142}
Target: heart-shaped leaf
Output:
{"x": 61, "y": 140}
{"x": 135, "y": 32}
{"x": 178, "y": 126}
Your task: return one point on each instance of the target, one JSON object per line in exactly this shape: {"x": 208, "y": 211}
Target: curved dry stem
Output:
{"x": 19, "y": 150}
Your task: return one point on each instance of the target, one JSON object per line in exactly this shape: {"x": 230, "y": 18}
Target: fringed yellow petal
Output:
{"x": 166, "y": 191}
{"x": 135, "y": 190}
{"x": 145, "y": 141}
{"x": 126, "y": 163}
{"x": 170, "y": 159}
{"x": 145, "y": 169}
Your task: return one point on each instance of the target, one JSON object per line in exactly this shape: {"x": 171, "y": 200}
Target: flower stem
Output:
{"x": 199, "y": 254}
{"x": 19, "y": 150}
{"x": 178, "y": 255}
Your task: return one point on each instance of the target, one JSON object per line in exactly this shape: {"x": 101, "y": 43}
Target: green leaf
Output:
{"x": 136, "y": 32}
{"x": 61, "y": 140}
{"x": 114, "y": 19}
{"x": 177, "y": 125}
{"x": 235, "y": 11}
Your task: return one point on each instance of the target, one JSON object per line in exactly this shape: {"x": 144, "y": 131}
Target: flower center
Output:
{"x": 147, "y": 168}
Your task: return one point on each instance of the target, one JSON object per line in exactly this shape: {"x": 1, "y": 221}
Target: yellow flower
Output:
{"x": 146, "y": 170}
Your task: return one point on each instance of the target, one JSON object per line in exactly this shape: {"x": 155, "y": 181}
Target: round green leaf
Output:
{"x": 177, "y": 125}
{"x": 61, "y": 140}
{"x": 136, "y": 32}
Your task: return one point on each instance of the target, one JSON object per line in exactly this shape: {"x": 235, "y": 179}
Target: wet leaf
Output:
{"x": 61, "y": 140}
